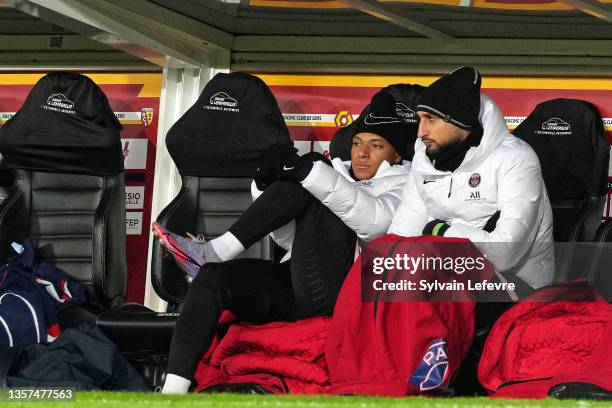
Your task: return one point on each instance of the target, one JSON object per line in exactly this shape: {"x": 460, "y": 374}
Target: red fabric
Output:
{"x": 282, "y": 357}
{"x": 54, "y": 330}
{"x": 358, "y": 351}
{"x": 376, "y": 351}
{"x": 543, "y": 343}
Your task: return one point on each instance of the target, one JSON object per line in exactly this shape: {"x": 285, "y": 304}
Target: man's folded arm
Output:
{"x": 411, "y": 215}
{"x": 367, "y": 215}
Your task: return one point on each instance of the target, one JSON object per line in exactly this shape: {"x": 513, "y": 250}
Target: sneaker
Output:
{"x": 187, "y": 252}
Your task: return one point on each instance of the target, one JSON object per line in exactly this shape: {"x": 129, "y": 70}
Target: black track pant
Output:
{"x": 260, "y": 291}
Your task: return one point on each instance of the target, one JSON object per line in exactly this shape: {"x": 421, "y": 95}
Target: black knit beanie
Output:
{"x": 455, "y": 98}
{"x": 383, "y": 121}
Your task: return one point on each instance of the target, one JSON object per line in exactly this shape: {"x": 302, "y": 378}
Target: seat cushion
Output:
{"x": 134, "y": 327}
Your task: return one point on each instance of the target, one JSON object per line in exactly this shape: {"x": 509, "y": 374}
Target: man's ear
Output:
{"x": 397, "y": 158}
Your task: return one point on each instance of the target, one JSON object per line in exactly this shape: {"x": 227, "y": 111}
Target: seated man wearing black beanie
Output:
{"x": 318, "y": 211}
{"x": 470, "y": 178}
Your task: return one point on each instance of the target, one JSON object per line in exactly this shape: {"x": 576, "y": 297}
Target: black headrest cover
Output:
{"x": 568, "y": 137}
{"x": 65, "y": 125}
{"x": 222, "y": 135}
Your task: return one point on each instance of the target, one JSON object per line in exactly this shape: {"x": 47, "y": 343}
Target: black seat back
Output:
{"x": 568, "y": 137}
{"x": 406, "y": 96}
{"x": 602, "y": 276}
{"x": 77, "y": 221}
{"x": 64, "y": 151}
{"x": 215, "y": 146}
{"x": 6, "y": 180}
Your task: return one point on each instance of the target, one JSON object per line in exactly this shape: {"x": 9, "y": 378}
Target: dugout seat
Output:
{"x": 405, "y": 96}
{"x": 6, "y": 180}
{"x": 65, "y": 167}
{"x": 568, "y": 137}
{"x": 215, "y": 146}
{"x": 602, "y": 278}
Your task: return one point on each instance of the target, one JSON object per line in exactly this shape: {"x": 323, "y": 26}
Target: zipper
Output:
{"x": 450, "y": 188}
{"x": 521, "y": 382}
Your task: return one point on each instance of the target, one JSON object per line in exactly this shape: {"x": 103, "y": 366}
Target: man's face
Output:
{"x": 368, "y": 152}
{"x": 438, "y": 135}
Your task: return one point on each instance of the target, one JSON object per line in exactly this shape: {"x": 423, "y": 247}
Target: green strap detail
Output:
{"x": 437, "y": 229}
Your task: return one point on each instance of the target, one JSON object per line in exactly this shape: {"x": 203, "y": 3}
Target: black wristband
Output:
{"x": 435, "y": 227}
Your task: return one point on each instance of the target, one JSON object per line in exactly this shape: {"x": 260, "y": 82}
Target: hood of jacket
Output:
{"x": 494, "y": 132}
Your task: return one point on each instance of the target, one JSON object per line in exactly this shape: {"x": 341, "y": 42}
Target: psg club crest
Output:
{"x": 432, "y": 372}
{"x": 146, "y": 116}
{"x": 474, "y": 180}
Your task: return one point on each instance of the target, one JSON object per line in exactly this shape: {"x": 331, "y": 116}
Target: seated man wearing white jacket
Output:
{"x": 318, "y": 212}
{"x": 470, "y": 178}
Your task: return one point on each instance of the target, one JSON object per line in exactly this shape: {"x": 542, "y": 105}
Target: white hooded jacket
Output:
{"x": 366, "y": 206}
{"x": 501, "y": 173}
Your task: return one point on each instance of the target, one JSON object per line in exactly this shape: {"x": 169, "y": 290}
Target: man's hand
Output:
{"x": 436, "y": 228}
{"x": 295, "y": 167}
{"x": 439, "y": 227}
{"x": 269, "y": 163}
{"x": 264, "y": 176}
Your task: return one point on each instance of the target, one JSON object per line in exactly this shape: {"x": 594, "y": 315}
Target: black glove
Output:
{"x": 269, "y": 163}
{"x": 264, "y": 177}
{"x": 436, "y": 228}
{"x": 295, "y": 167}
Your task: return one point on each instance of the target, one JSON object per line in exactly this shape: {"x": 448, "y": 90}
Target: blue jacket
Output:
{"x": 30, "y": 290}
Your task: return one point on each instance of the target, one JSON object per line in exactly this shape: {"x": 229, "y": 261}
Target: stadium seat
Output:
{"x": 405, "y": 96}
{"x": 602, "y": 278}
{"x": 6, "y": 180}
{"x": 568, "y": 137}
{"x": 215, "y": 146}
{"x": 68, "y": 201}
{"x": 77, "y": 221}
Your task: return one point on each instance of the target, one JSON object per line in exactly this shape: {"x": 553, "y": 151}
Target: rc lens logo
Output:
{"x": 146, "y": 115}
{"x": 223, "y": 102}
{"x": 59, "y": 103}
{"x": 343, "y": 118}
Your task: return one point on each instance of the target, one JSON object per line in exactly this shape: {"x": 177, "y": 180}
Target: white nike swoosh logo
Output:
{"x": 380, "y": 120}
{"x": 288, "y": 168}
